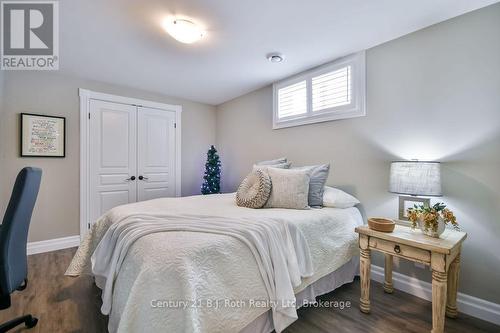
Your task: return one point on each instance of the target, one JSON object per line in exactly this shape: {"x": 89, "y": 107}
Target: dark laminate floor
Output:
{"x": 65, "y": 304}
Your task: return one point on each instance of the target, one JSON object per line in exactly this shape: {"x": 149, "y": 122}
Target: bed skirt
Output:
{"x": 345, "y": 274}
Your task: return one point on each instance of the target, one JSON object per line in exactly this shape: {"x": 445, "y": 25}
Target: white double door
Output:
{"x": 132, "y": 155}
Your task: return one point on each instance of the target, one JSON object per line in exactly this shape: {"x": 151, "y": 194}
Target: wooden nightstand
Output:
{"x": 442, "y": 254}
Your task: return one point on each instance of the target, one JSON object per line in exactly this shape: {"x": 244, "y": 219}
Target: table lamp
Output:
{"x": 414, "y": 178}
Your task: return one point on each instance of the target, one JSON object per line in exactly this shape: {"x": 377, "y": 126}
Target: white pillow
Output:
{"x": 333, "y": 197}
{"x": 289, "y": 188}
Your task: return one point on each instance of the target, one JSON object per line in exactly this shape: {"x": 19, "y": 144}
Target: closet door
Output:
{"x": 112, "y": 156}
{"x": 155, "y": 153}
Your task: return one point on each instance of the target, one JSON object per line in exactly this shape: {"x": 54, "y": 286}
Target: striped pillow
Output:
{"x": 254, "y": 190}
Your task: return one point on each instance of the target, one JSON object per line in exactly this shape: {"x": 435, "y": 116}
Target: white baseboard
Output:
{"x": 467, "y": 304}
{"x": 53, "y": 244}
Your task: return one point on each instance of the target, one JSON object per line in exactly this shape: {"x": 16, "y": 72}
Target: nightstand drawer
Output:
{"x": 400, "y": 250}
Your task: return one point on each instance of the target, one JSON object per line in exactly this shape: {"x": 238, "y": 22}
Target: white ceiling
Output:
{"x": 122, "y": 42}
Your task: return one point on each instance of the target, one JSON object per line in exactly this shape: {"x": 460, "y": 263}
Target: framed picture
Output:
{"x": 406, "y": 202}
{"x": 43, "y": 136}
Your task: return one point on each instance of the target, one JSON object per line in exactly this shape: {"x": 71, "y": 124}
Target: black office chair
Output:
{"x": 13, "y": 241}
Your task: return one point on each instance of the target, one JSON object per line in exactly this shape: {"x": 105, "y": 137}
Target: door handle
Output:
{"x": 130, "y": 178}
{"x": 143, "y": 178}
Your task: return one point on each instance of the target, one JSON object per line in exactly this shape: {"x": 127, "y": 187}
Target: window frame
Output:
{"x": 357, "y": 108}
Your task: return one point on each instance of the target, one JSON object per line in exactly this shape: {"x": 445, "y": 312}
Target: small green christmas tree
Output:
{"x": 211, "y": 183}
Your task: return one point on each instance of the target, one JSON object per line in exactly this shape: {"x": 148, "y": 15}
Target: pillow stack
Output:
{"x": 273, "y": 184}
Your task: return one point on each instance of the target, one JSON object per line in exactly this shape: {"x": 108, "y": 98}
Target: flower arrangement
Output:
{"x": 430, "y": 216}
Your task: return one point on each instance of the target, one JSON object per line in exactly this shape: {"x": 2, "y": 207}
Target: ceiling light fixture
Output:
{"x": 185, "y": 31}
{"x": 275, "y": 57}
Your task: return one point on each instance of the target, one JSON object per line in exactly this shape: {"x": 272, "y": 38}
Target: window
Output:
{"x": 329, "y": 92}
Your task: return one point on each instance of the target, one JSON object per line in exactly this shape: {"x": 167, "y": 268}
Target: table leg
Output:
{"x": 388, "y": 288}
{"x": 364, "y": 270}
{"x": 438, "y": 301}
{"x": 451, "y": 299}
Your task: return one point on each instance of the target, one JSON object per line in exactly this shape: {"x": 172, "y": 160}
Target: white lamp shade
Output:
{"x": 416, "y": 178}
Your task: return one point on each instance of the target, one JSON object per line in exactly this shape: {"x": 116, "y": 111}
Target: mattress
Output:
{"x": 163, "y": 270}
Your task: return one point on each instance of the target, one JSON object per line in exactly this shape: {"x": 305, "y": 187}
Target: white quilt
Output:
{"x": 279, "y": 249}
{"x": 188, "y": 281}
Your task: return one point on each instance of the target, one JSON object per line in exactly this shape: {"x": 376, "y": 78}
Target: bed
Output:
{"x": 189, "y": 281}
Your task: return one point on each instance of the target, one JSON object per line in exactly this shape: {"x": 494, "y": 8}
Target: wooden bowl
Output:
{"x": 381, "y": 224}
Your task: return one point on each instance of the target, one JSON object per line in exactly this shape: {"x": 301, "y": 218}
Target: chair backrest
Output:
{"x": 14, "y": 230}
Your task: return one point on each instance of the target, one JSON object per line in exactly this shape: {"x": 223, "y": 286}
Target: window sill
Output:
{"x": 318, "y": 119}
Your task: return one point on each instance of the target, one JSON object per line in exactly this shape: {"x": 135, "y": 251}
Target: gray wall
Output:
{"x": 433, "y": 94}
{"x": 57, "y": 210}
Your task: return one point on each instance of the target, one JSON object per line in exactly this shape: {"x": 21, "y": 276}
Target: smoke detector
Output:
{"x": 275, "y": 57}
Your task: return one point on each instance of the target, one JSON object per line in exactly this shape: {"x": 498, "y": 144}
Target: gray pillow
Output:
{"x": 319, "y": 175}
{"x": 289, "y": 188}
{"x": 273, "y": 162}
{"x": 285, "y": 165}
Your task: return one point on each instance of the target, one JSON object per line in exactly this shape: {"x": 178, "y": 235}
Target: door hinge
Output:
{"x": 175, "y": 125}
{"x": 88, "y": 225}
{"x": 89, "y": 115}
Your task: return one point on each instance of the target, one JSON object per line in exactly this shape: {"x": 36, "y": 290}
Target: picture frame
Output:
{"x": 406, "y": 202}
{"x": 42, "y": 135}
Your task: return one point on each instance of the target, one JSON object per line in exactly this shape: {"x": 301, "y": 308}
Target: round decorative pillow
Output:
{"x": 254, "y": 190}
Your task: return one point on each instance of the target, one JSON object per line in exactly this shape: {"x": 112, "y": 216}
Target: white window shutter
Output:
{"x": 329, "y": 92}
{"x": 292, "y": 100}
{"x": 332, "y": 89}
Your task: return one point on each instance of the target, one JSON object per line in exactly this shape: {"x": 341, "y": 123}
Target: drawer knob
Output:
{"x": 397, "y": 249}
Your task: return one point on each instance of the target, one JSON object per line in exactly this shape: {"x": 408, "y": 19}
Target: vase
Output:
{"x": 430, "y": 232}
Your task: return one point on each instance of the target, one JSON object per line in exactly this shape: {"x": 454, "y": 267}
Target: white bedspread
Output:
{"x": 279, "y": 249}
{"x": 187, "y": 281}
